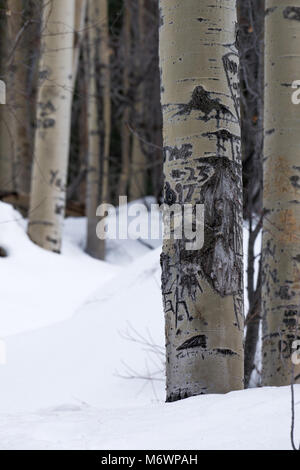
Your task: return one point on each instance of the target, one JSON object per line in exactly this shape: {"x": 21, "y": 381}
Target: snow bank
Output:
{"x": 39, "y": 288}
{"x": 257, "y": 419}
{"x": 73, "y": 326}
{"x": 85, "y": 358}
{"x": 84, "y": 342}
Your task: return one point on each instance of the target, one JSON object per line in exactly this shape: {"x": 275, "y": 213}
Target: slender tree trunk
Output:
{"x": 95, "y": 247}
{"x": 99, "y": 123}
{"x": 83, "y": 131}
{"x": 80, "y": 13}
{"x": 48, "y": 191}
{"x": 77, "y": 189}
{"x": 6, "y": 139}
{"x": 20, "y": 35}
{"x": 151, "y": 120}
{"x": 203, "y": 288}
{"x": 126, "y": 147}
{"x": 153, "y": 111}
{"x": 105, "y": 83}
{"x": 281, "y": 230}
{"x": 7, "y": 185}
{"x": 139, "y": 160}
{"x": 252, "y": 333}
{"x": 251, "y": 46}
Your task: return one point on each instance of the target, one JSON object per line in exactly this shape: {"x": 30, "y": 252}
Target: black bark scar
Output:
{"x": 175, "y": 153}
{"x": 225, "y": 352}
{"x": 222, "y": 136}
{"x": 295, "y": 180}
{"x": 202, "y": 101}
{"x": 292, "y": 13}
{"x": 270, "y": 10}
{"x": 220, "y": 257}
{"x": 198, "y": 341}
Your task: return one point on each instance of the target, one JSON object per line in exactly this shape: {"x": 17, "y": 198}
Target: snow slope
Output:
{"x": 84, "y": 369}
{"x": 39, "y": 288}
{"x": 257, "y": 419}
{"x": 83, "y": 357}
{"x": 83, "y": 348}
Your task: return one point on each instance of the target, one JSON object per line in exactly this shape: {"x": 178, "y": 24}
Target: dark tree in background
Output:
{"x": 251, "y": 14}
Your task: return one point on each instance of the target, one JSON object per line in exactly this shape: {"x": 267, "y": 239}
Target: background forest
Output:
{"x": 81, "y": 319}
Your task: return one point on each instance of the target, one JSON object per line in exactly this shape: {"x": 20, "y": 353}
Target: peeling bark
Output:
{"x": 281, "y": 242}
{"x": 202, "y": 289}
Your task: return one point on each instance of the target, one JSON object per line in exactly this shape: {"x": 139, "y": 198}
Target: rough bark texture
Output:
{"x": 99, "y": 122}
{"x": 139, "y": 161}
{"x": 48, "y": 191}
{"x": 126, "y": 147}
{"x": 21, "y": 124}
{"x": 281, "y": 239}
{"x": 153, "y": 111}
{"x": 80, "y": 13}
{"x": 253, "y": 322}
{"x": 251, "y": 47}
{"x": 202, "y": 290}
{"x": 7, "y": 183}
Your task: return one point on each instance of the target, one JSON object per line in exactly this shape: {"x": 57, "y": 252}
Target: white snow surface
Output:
{"x": 84, "y": 344}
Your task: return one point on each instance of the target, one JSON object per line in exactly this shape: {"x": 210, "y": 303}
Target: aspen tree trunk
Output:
{"x": 48, "y": 191}
{"x": 203, "y": 288}
{"x": 6, "y": 140}
{"x": 126, "y": 147}
{"x": 139, "y": 160}
{"x": 99, "y": 124}
{"x": 281, "y": 231}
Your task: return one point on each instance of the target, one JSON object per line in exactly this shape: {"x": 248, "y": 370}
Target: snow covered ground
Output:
{"x": 252, "y": 419}
{"x": 84, "y": 368}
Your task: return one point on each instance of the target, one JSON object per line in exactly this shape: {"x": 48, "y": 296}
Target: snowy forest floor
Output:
{"x": 84, "y": 357}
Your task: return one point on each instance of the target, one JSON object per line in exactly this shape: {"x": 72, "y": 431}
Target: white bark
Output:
{"x": 48, "y": 191}
{"x": 281, "y": 234}
{"x": 203, "y": 288}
